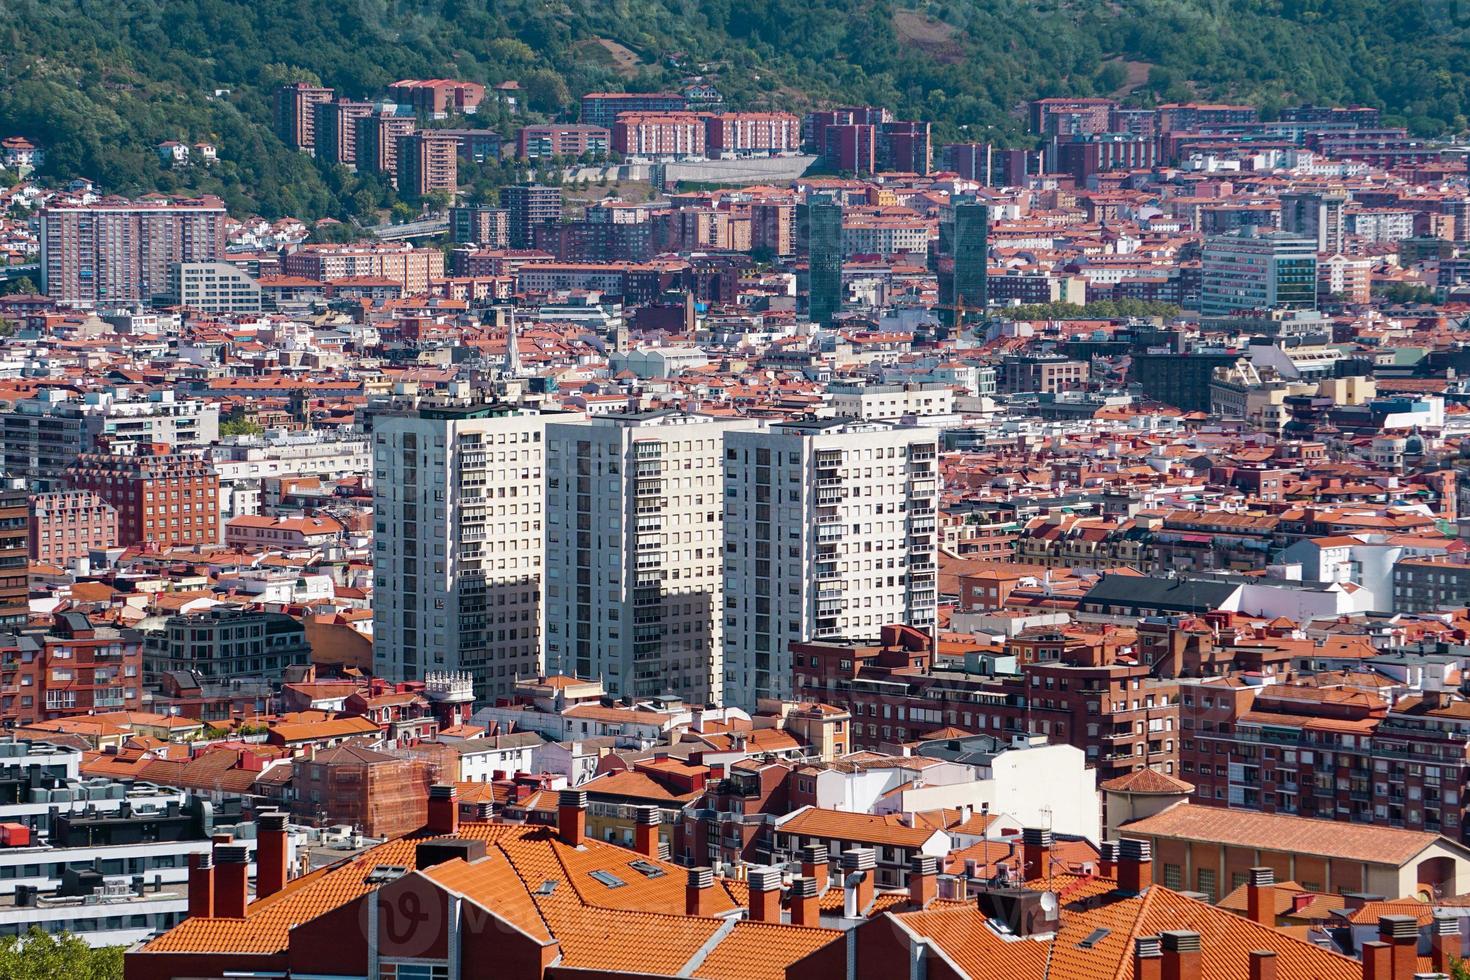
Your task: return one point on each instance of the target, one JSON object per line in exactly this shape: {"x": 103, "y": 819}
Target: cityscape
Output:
{"x": 645, "y": 518}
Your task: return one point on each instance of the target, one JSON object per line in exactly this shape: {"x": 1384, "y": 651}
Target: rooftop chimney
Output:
{"x": 1260, "y": 896}
{"x": 923, "y": 880}
{"x": 699, "y": 893}
{"x": 201, "y": 886}
{"x": 1107, "y": 865}
{"x": 270, "y": 854}
{"x": 231, "y": 880}
{"x": 765, "y": 894}
{"x": 1035, "y": 853}
{"x": 814, "y": 865}
{"x": 805, "y": 906}
{"x": 1447, "y": 945}
{"x": 1135, "y": 865}
{"x": 858, "y": 864}
{"x": 1402, "y": 933}
{"x": 1148, "y": 958}
{"x": 443, "y": 810}
{"x": 1263, "y": 964}
{"x": 645, "y": 830}
{"x": 1377, "y": 961}
{"x": 1181, "y": 954}
{"x": 571, "y": 816}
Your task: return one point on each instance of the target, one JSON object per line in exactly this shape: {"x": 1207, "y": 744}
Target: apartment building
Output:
{"x": 377, "y": 139}
{"x": 740, "y": 133}
{"x": 438, "y": 97}
{"x": 458, "y": 542}
{"x": 42, "y": 435}
{"x": 116, "y": 252}
{"x": 562, "y": 140}
{"x": 530, "y": 205}
{"x": 213, "y": 287}
{"x": 634, "y": 530}
{"x": 412, "y": 267}
{"x": 336, "y": 129}
{"x": 14, "y": 557}
{"x": 75, "y": 668}
{"x": 603, "y": 108}
{"x": 68, "y": 524}
{"x": 296, "y": 113}
{"x": 480, "y": 224}
{"x": 428, "y": 161}
{"x": 829, "y": 531}
{"x": 226, "y": 644}
{"x": 659, "y": 134}
{"x": 161, "y": 497}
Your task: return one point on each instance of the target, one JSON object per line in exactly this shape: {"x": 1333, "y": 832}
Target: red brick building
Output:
{"x": 75, "y": 669}
{"x": 161, "y": 497}
{"x": 296, "y": 113}
{"x": 752, "y": 132}
{"x": 438, "y": 96}
{"x": 1069, "y": 688}
{"x": 659, "y": 134}
{"x": 14, "y": 557}
{"x": 67, "y": 524}
{"x": 562, "y": 140}
{"x": 428, "y": 161}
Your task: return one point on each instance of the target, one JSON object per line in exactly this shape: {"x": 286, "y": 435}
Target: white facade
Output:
{"x": 634, "y": 527}
{"x": 458, "y": 544}
{"x": 891, "y": 402}
{"x": 213, "y": 287}
{"x": 830, "y": 532}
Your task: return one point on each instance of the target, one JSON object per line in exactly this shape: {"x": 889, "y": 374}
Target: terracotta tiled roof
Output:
{"x": 1281, "y": 832}
{"x": 1147, "y": 782}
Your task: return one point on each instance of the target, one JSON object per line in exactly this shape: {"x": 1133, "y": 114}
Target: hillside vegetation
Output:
{"x": 101, "y": 83}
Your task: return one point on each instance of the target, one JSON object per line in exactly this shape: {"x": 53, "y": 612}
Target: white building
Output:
{"x": 891, "y": 402}
{"x": 829, "y": 532}
{"x": 634, "y": 529}
{"x": 213, "y": 287}
{"x": 458, "y": 543}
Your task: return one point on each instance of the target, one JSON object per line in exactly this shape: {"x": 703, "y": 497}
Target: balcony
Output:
{"x": 827, "y": 573}
{"x": 827, "y": 496}
{"x": 830, "y": 532}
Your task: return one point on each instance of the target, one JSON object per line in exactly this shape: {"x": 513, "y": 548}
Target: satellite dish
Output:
{"x": 1049, "y": 905}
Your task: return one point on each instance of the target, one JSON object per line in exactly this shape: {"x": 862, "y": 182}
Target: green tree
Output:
{"x": 40, "y": 956}
{"x": 241, "y": 425}
{"x": 22, "y": 285}
{"x": 546, "y": 91}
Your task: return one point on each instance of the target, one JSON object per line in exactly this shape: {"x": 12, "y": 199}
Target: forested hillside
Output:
{"x": 100, "y": 82}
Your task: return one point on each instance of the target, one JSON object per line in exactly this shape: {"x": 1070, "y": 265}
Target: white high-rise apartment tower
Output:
{"x": 634, "y": 530}
{"x": 458, "y": 498}
{"x": 829, "y": 532}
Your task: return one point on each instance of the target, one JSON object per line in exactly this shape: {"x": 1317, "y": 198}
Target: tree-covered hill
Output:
{"x": 100, "y": 83}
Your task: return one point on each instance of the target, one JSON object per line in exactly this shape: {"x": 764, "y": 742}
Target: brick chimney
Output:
{"x": 571, "y": 817}
{"x": 699, "y": 893}
{"x": 231, "y": 880}
{"x": 201, "y": 886}
{"x": 443, "y": 810}
{"x": 1181, "y": 954}
{"x": 1401, "y": 932}
{"x": 1148, "y": 958}
{"x": 1263, "y": 964}
{"x": 645, "y": 830}
{"x": 271, "y": 866}
{"x": 1260, "y": 896}
{"x": 1135, "y": 865}
{"x": 858, "y": 865}
{"x": 814, "y": 865}
{"x": 765, "y": 894}
{"x": 1447, "y": 945}
{"x": 805, "y": 906}
{"x": 923, "y": 880}
{"x": 1377, "y": 961}
{"x": 1035, "y": 853}
{"x": 1107, "y": 861}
